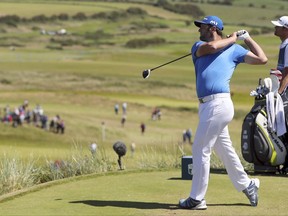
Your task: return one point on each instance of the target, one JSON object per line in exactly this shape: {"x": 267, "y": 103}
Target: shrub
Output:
{"x": 5, "y": 81}
{"x": 265, "y": 30}
{"x": 100, "y": 15}
{"x": 148, "y": 25}
{"x": 254, "y": 32}
{"x": 63, "y": 16}
{"x": 10, "y": 18}
{"x": 189, "y": 9}
{"x": 97, "y": 35}
{"x": 79, "y": 16}
{"x": 54, "y": 47}
{"x": 136, "y": 11}
{"x": 40, "y": 18}
{"x": 138, "y": 43}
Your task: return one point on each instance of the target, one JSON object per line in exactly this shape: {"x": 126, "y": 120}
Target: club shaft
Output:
{"x": 171, "y": 61}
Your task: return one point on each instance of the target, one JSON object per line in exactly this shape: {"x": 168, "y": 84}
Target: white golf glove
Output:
{"x": 242, "y": 35}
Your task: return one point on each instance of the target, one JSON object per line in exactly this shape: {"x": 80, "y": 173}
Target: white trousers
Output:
{"x": 212, "y": 133}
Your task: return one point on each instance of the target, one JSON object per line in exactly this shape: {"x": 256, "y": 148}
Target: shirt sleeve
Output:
{"x": 239, "y": 54}
{"x": 195, "y": 48}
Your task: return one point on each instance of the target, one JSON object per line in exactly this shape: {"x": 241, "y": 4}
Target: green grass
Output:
{"x": 143, "y": 193}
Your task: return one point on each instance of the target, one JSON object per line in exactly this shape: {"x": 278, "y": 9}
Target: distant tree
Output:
{"x": 136, "y": 11}
{"x": 40, "y": 18}
{"x": 10, "y": 19}
{"x": 63, "y": 16}
{"x": 138, "y": 43}
{"x": 79, "y": 16}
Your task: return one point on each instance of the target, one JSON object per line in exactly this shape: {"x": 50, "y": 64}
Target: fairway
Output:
{"x": 143, "y": 193}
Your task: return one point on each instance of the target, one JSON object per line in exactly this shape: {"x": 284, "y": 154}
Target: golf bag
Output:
{"x": 259, "y": 144}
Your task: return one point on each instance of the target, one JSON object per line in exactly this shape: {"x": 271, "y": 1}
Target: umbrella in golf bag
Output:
{"x": 120, "y": 149}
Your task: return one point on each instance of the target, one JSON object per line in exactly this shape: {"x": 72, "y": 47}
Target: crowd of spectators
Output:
{"x": 24, "y": 115}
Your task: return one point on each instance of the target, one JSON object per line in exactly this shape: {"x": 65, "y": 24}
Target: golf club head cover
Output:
{"x": 268, "y": 83}
{"x": 242, "y": 34}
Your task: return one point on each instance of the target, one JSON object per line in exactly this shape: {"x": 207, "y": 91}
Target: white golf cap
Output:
{"x": 282, "y": 22}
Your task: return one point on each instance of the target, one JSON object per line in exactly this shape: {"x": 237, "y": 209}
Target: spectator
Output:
{"x": 43, "y": 120}
{"x": 132, "y": 147}
{"x": 123, "y": 120}
{"x": 53, "y": 122}
{"x": 156, "y": 114}
{"x": 28, "y": 116}
{"x": 189, "y": 135}
{"x": 7, "y": 118}
{"x": 143, "y": 127}
{"x": 60, "y": 126}
{"x": 16, "y": 117}
{"x": 103, "y": 131}
{"x": 184, "y": 136}
{"x": 124, "y": 108}
{"x": 116, "y": 108}
{"x": 37, "y": 112}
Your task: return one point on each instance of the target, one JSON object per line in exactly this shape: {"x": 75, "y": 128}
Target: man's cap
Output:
{"x": 210, "y": 20}
{"x": 281, "y": 22}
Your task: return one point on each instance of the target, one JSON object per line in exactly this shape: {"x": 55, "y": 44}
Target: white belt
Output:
{"x": 212, "y": 97}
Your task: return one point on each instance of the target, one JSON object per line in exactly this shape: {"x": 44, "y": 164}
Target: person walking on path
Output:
{"x": 215, "y": 59}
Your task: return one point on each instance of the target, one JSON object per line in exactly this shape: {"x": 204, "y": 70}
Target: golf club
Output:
{"x": 146, "y": 73}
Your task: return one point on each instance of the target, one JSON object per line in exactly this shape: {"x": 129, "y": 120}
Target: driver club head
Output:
{"x": 146, "y": 73}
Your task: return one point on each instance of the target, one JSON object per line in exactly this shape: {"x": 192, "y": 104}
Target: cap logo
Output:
{"x": 213, "y": 23}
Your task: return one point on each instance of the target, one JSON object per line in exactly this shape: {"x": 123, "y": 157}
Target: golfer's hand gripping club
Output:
{"x": 242, "y": 35}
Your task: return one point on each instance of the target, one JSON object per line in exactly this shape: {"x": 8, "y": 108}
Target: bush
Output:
{"x": 266, "y": 30}
{"x": 97, "y": 35}
{"x": 254, "y": 32}
{"x": 189, "y": 9}
{"x": 140, "y": 43}
{"x": 63, "y": 16}
{"x": 40, "y": 18}
{"x": 54, "y": 47}
{"x": 79, "y": 16}
{"x": 148, "y": 25}
{"x": 5, "y": 81}
{"x": 136, "y": 11}
{"x": 10, "y": 19}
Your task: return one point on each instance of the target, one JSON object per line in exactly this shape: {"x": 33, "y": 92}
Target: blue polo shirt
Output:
{"x": 214, "y": 71}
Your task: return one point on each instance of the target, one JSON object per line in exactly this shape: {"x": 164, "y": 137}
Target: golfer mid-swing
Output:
{"x": 215, "y": 59}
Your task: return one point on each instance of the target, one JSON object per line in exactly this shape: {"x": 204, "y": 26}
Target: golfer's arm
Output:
{"x": 214, "y": 46}
{"x": 284, "y": 81}
{"x": 256, "y": 54}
